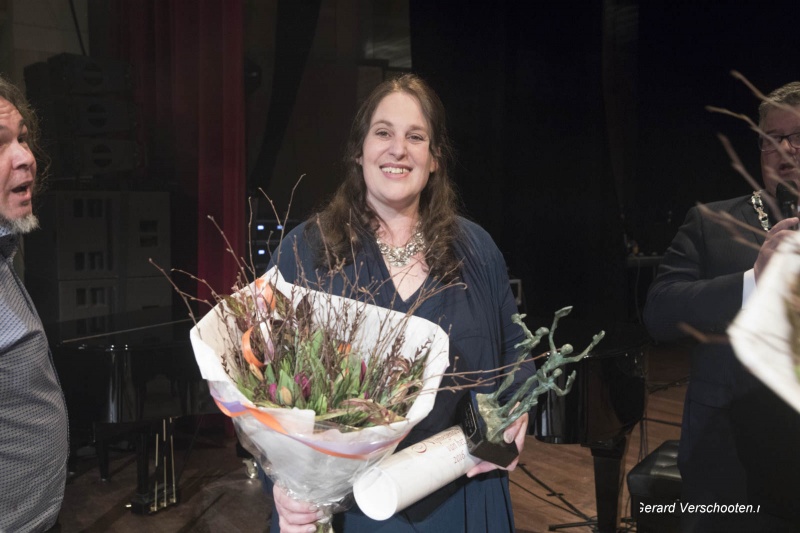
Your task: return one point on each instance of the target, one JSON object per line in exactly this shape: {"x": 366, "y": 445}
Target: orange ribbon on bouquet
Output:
{"x": 265, "y": 291}
{"x": 272, "y": 423}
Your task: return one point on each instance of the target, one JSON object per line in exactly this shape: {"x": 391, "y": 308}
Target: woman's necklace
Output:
{"x": 400, "y": 255}
{"x": 758, "y": 206}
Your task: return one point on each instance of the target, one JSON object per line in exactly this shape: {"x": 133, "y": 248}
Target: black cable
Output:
{"x": 541, "y": 498}
{"x": 571, "y": 508}
{"x": 77, "y": 27}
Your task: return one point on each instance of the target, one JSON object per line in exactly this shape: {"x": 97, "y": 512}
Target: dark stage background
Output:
{"x": 580, "y": 127}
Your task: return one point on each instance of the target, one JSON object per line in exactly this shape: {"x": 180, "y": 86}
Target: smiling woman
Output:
{"x": 396, "y": 162}
{"x": 392, "y": 234}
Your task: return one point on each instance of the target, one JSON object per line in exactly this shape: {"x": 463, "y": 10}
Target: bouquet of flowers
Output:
{"x": 766, "y": 334}
{"x": 319, "y": 387}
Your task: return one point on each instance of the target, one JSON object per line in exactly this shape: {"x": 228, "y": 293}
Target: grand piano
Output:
{"x": 130, "y": 373}
{"x": 607, "y": 400}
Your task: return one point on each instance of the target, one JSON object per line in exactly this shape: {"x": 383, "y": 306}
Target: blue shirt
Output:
{"x": 34, "y": 441}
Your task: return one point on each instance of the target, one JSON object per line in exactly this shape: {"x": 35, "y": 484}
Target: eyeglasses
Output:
{"x": 768, "y": 143}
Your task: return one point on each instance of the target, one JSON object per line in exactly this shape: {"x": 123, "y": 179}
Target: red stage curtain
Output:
{"x": 187, "y": 60}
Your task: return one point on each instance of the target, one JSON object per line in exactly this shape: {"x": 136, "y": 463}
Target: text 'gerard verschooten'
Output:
{"x": 698, "y": 508}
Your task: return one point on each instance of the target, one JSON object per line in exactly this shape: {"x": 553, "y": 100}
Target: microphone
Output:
{"x": 787, "y": 201}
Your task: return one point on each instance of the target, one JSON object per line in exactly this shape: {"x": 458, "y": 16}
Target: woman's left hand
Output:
{"x": 516, "y": 432}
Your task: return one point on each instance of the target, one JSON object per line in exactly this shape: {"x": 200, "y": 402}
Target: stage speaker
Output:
{"x": 91, "y": 255}
{"x": 78, "y": 238}
{"x": 70, "y": 74}
{"x": 87, "y": 114}
{"x": 85, "y": 298}
{"x": 147, "y": 293}
{"x": 83, "y": 156}
{"x": 145, "y": 227}
{"x": 67, "y": 117}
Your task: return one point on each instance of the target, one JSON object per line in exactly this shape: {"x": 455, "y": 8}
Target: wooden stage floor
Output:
{"x": 553, "y": 485}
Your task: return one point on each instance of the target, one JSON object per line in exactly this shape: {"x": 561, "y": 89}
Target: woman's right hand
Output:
{"x": 295, "y": 516}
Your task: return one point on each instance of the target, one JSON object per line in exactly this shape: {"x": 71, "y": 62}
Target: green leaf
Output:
{"x": 246, "y": 390}
{"x": 269, "y": 374}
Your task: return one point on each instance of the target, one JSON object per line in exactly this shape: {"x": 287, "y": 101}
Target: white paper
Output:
{"x": 413, "y": 473}
{"x": 760, "y": 333}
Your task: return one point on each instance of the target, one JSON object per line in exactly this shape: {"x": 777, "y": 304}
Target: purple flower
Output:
{"x": 273, "y": 389}
{"x": 305, "y": 385}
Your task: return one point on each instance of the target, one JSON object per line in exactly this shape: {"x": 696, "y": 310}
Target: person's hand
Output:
{"x": 516, "y": 432}
{"x": 295, "y": 516}
{"x": 775, "y": 236}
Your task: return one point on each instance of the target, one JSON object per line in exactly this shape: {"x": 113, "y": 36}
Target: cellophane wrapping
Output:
{"x": 318, "y": 461}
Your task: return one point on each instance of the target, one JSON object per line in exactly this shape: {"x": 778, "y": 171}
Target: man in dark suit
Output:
{"x": 740, "y": 443}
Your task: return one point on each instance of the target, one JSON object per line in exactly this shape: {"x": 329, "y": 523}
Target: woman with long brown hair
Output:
{"x": 393, "y": 226}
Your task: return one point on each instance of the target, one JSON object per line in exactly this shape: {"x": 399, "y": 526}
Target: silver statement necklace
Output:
{"x": 400, "y": 255}
{"x": 758, "y": 206}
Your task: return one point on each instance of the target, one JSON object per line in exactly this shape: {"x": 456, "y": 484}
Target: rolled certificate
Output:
{"x": 413, "y": 473}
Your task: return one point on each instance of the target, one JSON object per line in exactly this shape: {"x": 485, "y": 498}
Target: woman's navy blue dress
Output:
{"x": 482, "y": 336}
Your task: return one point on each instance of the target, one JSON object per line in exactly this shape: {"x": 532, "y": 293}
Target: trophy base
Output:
{"x": 476, "y": 431}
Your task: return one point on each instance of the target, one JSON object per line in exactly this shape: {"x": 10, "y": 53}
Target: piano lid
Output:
{"x": 609, "y": 394}
{"x": 135, "y": 329}
{"x": 128, "y": 367}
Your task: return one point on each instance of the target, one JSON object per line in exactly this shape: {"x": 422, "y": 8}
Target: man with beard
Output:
{"x": 33, "y": 416}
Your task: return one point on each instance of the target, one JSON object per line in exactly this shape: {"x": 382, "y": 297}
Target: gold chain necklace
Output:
{"x": 758, "y": 206}
{"x": 398, "y": 256}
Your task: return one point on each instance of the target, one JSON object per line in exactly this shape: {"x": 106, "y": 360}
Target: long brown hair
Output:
{"x": 348, "y": 219}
